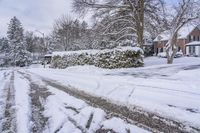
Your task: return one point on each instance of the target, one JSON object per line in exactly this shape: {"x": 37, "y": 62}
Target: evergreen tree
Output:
{"x": 4, "y": 46}
{"x": 18, "y": 54}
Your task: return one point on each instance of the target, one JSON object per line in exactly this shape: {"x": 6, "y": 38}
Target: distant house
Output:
{"x": 186, "y": 35}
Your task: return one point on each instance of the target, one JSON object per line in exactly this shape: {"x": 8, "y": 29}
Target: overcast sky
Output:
{"x": 34, "y": 14}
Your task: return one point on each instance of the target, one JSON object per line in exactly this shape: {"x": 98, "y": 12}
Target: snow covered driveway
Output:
{"x": 31, "y": 104}
{"x": 169, "y": 91}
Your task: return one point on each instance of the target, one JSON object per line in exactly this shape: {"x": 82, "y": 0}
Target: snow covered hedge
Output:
{"x": 121, "y": 57}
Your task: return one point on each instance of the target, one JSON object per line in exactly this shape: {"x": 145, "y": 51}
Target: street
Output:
{"x": 30, "y": 103}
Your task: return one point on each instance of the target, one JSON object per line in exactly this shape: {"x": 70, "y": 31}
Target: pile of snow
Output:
{"x": 120, "y": 57}
{"x": 162, "y": 55}
{"x": 22, "y": 101}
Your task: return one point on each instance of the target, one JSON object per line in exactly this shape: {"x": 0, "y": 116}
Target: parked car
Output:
{"x": 164, "y": 55}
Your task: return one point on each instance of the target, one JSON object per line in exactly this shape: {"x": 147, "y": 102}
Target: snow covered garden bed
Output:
{"x": 121, "y": 57}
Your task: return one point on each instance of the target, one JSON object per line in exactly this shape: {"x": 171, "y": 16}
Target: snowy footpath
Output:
{"x": 86, "y": 99}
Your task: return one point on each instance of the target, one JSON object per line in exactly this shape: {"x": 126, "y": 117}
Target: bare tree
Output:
{"x": 132, "y": 13}
{"x": 70, "y": 34}
{"x": 185, "y": 12}
{"x": 62, "y": 31}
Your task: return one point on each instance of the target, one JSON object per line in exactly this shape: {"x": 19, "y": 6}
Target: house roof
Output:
{"x": 194, "y": 43}
{"x": 182, "y": 34}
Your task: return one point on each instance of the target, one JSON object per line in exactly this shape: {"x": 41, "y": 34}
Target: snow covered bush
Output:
{"x": 57, "y": 62}
{"x": 121, "y": 57}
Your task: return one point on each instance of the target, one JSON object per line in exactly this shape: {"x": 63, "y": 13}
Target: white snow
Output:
{"x": 193, "y": 43}
{"x": 93, "y": 52}
{"x": 60, "y": 109}
{"x": 169, "y": 90}
{"x": 162, "y": 54}
{"x": 22, "y": 101}
{"x": 120, "y": 126}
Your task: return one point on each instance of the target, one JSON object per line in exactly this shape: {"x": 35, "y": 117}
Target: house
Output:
{"x": 193, "y": 48}
{"x": 186, "y": 35}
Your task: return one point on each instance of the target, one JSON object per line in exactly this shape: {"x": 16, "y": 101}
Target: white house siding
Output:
{"x": 187, "y": 50}
{"x": 197, "y": 50}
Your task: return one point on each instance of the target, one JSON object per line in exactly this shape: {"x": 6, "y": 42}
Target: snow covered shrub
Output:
{"x": 57, "y": 62}
{"x": 122, "y": 57}
{"x": 119, "y": 58}
{"x": 85, "y": 58}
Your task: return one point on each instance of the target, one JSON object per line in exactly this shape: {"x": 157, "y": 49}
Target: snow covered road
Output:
{"x": 155, "y": 98}
{"x": 29, "y": 104}
{"x": 169, "y": 91}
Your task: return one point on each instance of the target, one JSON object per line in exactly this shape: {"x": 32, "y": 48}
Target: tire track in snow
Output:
{"x": 87, "y": 127}
{"x": 38, "y": 95}
{"x": 135, "y": 116}
{"x": 9, "y": 118}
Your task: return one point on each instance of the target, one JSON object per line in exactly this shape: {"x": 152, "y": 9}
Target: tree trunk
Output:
{"x": 171, "y": 45}
{"x": 140, "y": 23}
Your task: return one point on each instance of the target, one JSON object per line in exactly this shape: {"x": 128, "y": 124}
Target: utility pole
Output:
{"x": 45, "y": 47}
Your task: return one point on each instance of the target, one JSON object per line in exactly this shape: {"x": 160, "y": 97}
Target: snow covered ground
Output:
{"x": 38, "y": 99}
{"x": 171, "y": 91}
{"x": 28, "y": 104}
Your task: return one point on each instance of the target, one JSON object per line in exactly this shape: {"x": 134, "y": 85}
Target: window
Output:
{"x": 161, "y": 50}
{"x": 194, "y": 38}
{"x": 193, "y": 50}
{"x": 190, "y": 38}
{"x": 179, "y": 48}
{"x": 198, "y": 38}
{"x": 190, "y": 49}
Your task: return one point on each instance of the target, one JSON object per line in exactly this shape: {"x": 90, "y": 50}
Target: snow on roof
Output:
{"x": 47, "y": 55}
{"x": 92, "y": 51}
{"x": 193, "y": 43}
{"x": 182, "y": 34}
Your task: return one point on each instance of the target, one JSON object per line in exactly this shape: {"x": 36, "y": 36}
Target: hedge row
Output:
{"x": 115, "y": 58}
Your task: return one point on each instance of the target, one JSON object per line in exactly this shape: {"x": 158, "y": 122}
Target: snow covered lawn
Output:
{"x": 171, "y": 91}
